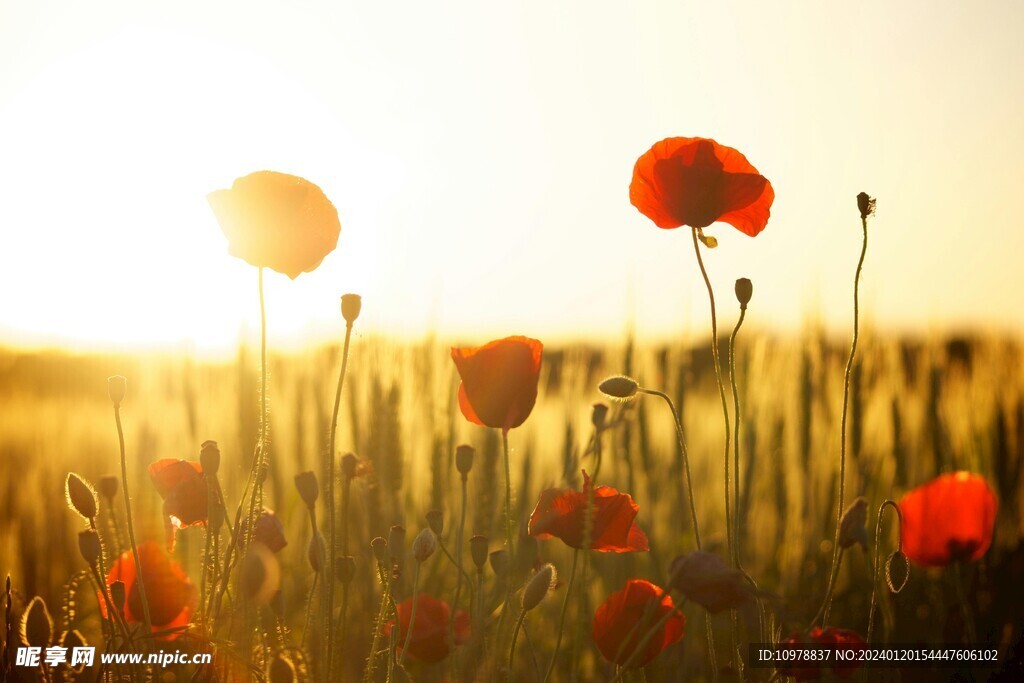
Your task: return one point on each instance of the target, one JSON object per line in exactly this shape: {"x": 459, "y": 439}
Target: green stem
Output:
{"x": 875, "y": 563}
{"x": 721, "y": 384}
{"x": 561, "y": 619}
{"x": 412, "y": 615}
{"x": 682, "y": 454}
{"x": 461, "y": 572}
{"x": 147, "y": 623}
{"x": 736, "y": 437}
{"x": 965, "y": 609}
{"x": 846, "y": 405}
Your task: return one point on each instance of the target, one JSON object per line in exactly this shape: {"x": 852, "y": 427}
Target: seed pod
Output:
{"x": 464, "y": 459}
{"x": 424, "y": 545}
{"x": 620, "y": 387}
{"x": 89, "y": 546}
{"x": 107, "y": 486}
{"x": 317, "y": 552}
{"x": 74, "y": 639}
{"x": 36, "y": 624}
{"x": 81, "y": 496}
{"x": 117, "y": 387}
{"x": 396, "y": 542}
{"x": 499, "y": 562}
{"x": 435, "y": 520}
{"x": 351, "y": 306}
{"x": 852, "y": 525}
{"x": 599, "y": 415}
{"x": 539, "y": 586}
{"x": 866, "y": 204}
{"x": 282, "y": 670}
{"x": 345, "y": 568}
{"x": 309, "y": 489}
{"x": 209, "y": 458}
{"x": 118, "y": 595}
{"x": 744, "y": 290}
{"x": 478, "y": 547}
{"x": 349, "y": 465}
{"x": 380, "y": 549}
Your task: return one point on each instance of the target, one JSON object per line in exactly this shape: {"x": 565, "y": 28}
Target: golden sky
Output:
{"x": 480, "y": 153}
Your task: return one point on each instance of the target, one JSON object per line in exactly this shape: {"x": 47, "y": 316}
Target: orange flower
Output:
{"x": 696, "y": 182}
{"x": 183, "y": 488}
{"x": 838, "y": 638}
{"x": 949, "y": 519}
{"x": 499, "y": 381}
{"x": 561, "y": 513}
{"x": 172, "y": 597}
{"x": 277, "y": 220}
{"x": 624, "y": 619}
{"x": 429, "y": 641}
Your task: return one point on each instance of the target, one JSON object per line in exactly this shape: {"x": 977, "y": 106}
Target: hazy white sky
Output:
{"x": 480, "y": 154}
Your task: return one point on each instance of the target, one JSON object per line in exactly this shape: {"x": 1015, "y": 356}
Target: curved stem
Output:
{"x": 561, "y": 619}
{"x": 412, "y": 615}
{"x": 682, "y": 454}
{"x": 721, "y": 384}
{"x": 874, "y": 576}
{"x": 148, "y": 624}
{"x": 515, "y": 637}
{"x": 846, "y": 406}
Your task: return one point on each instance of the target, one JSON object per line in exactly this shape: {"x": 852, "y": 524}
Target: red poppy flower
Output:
{"x": 429, "y": 641}
{"x": 561, "y": 513}
{"x": 183, "y": 488}
{"x": 277, "y": 220}
{"x": 949, "y": 519}
{"x": 837, "y": 638}
{"x": 499, "y": 381}
{"x": 624, "y": 619}
{"x": 696, "y": 182}
{"x": 172, "y": 597}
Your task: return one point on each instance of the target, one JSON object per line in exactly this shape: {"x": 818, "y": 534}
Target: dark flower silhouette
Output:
{"x": 624, "y": 619}
{"x": 183, "y": 488}
{"x": 429, "y": 642}
{"x": 561, "y": 513}
{"x": 499, "y": 381}
{"x": 949, "y": 519}
{"x": 276, "y": 220}
{"x": 697, "y": 182}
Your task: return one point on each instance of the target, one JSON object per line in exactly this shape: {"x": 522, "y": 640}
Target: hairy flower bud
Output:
{"x": 464, "y": 459}
{"x": 620, "y": 387}
{"x": 380, "y": 548}
{"x": 435, "y": 520}
{"x": 744, "y": 290}
{"x": 209, "y": 458}
{"x": 107, "y": 486}
{"x": 345, "y": 568}
{"x": 282, "y": 670}
{"x": 599, "y": 415}
{"x": 539, "y": 586}
{"x": 478, "y": 547}
{"x": 866, "y": 204}
{"x": 424, "y": 545}
{"x": 117, "y": 386}
{"x": 89, "y": 546}
{"x": 80, "y": 495}
{"x": 309, "y": 489}
{"x": 349, "y": 465}
{"x": 351, "y": 305}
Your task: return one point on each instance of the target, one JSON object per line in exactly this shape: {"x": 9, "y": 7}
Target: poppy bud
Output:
{"x": 209, "y": 458}
{"x": 89, "y": 546}
{"x": 866, "y": 204}
{"x": 345, "y": 568}
{"x": 317, "y": 552}
{"x": 282, "y": 670}
{"x": 424, "y": 545}
{"x": 349, "y": 464}
{"x": 118, "y": 595}
{"x": 435, "y": 520}
{"x": 351, "y": 305}
{"x": 72, "y": 640}
{"x": 599, "y": 415}
{"x": 897, "y": 571}
{"x": 620, "y": 387}
{"x": 852, "y": 525}
{"x": 478, "y": 549}
{"x": 309, "y": 489}
{"x": 117, "y": 386}
{"x": 464, "y": 459}
{"x": 744, "y": 290}
{"x": 499, "y": 562}
{"x": 539, "y": 586}
{"x": 396, "y": 542}
{"x": 37, "y": 624}
{"x": 80, "y": 495}
{"x": 107, "y": 486}
{"x": 380, "y": 549}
